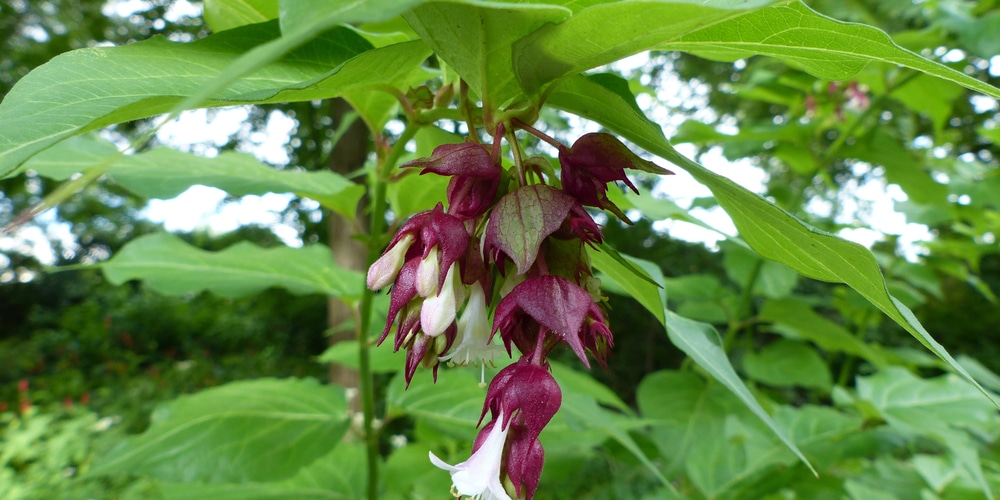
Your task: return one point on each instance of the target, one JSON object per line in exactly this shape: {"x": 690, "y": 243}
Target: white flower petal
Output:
{"x": 479, "y": 476}
{"x": 438, "y": 312}
{"x": 474, "y": 333}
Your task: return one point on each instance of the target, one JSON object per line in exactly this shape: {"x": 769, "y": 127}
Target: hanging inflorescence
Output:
{"x": 516, "y": 248}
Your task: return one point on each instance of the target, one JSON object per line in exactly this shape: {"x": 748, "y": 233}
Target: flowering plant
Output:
{"x": 436, "y": 267}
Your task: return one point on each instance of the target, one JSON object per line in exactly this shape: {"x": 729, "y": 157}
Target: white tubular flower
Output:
{"x": 438, "y": 312}
{"x": 479, "y": 476}
{"x": 384, "y": 270}
{"x": 428, "y": 273}
{"x": 474, "y": 333}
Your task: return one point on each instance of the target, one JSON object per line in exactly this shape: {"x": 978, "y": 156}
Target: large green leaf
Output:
{"x": 90, "y": 88}
{"x": 173, "y": 267}
{"x": 604, "y": 33}
{"x": 257, "y": 430}
{"x": 797, "y": 320}
{"x": 475, "y": 39}
{"x": 822, "y": 46}
{"x": 702, "y": 344}
{"x": 787, "y": 363}
{"x": 165, "y": 173}
{"x": 339, "y": 475}
{"x": 771, "y": 231}
{"x": 942, "y": 408}
{"x": 221, "y": 15}
{"x": 313, "y": 15}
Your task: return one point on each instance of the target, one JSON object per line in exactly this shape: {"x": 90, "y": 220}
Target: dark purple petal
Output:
{"x": 558, "y": 304}
{"x": 467, "y": 160}
{"x": 403, "y": 291}
{"x": 449, "y": 235}
{"x": 525, "y": 458}
{"x": 526, "y": 392}
{"x": 470, "y": 197}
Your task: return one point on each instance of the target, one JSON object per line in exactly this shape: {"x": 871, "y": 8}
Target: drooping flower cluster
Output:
{"x": 518, "y": 249}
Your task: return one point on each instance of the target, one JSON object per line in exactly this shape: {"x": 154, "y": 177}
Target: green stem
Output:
{"x": 515, "y": 151}
{"x": 366, "y": 379}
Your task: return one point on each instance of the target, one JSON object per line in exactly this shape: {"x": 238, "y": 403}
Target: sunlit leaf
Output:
{"x": 771, "y": 231}
{"x": 165, "y": 173}
{"x": 90, "y": 88}
{"x": 822, "y": 46}
{"x": 475, "y": 39}
{"x": 604, "y": 33}
{"x": 167, "y": 264}
{"x": 221, "y": 15}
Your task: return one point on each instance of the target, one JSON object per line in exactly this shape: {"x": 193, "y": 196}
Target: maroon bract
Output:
{"x": 551, "y": 303}
{"x": 525, "y": 392}
{"x": 522, "y": 398}
{"x": 475, "y": 177}
{"x": 592, "y": 162}
{"x": 520, "y": 222}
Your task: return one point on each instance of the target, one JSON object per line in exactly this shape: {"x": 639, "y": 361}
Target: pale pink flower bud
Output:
{"x": 384, "y": 270}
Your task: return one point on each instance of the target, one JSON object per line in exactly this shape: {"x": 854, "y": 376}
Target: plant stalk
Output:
{"x": 366, "y": 379}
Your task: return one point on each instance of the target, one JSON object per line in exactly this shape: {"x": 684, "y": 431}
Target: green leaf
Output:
{"x": 639, "y": 283}
{"x": 575, "y": 381}
{"x": 702, "y": 344}
{"x": 475, "y": 40}
{"x": 173, "y": 267}
{"x": 787, "y": 363}
{"x": 683, "y": 410}
{"x": 221, "y": 15}
{"x": 610, "y": 106}
{"x": 317, "y": 15}
{"x": 772, "y": 232}
{"x": 797, "y": 320}
{"x": 89, "y": 88}
{"x": 65, "y": 97}
{"x": 382, "y": 359}
{"x": 257, "y": 430}
{"x": 166, "y": 173}
{"x": 770, "y": 279}
{"x": 601, "y": 34}
{"x": 940, "y": 407}
{"x": 452, "y": 404}
{"x": 339, "y": 474}
{"x": 825, "y": 48}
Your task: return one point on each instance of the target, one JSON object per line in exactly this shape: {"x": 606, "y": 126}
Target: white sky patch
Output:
{"x": 200, "y": 129}
{"x": 202, "y": 132}
{"x": 35, "y": 240}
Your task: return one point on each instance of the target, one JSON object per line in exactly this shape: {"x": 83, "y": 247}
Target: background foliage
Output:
{"x": 99, "y": 363}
